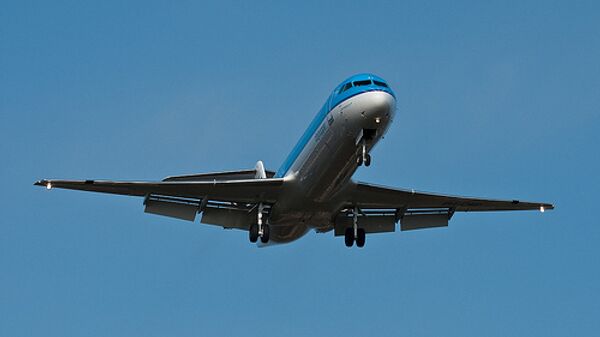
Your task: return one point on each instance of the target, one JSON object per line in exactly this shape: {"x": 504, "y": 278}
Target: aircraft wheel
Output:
{"x": 349, "y": 237}
{"x": 266, "y": 233}
{"x": 359, "y": 160}
{"x": 253, "y": 233}
{"x": 368, "y": 160}
{"x": 360, "y": 238}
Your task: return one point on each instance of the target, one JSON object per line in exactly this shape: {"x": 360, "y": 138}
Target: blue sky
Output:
{"x": 495, "y": 99}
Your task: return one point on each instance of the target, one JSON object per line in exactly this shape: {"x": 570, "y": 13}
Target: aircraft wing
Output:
{"x": 245, "y": 191}
{"x": 380, "y": 208}
{"x": 379, "y": 197}
{"x": 229, "y": 199}
{"x": 229, "y": 203}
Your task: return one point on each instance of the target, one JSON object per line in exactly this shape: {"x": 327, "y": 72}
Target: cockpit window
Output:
{"x": 381, "y": 84}
{"x": 346, "y": 87}
{"x": 361, "y": 83}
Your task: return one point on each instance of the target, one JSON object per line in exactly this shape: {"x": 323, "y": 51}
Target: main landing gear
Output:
{"x": 355, "y": 234}
{"x": 259, "y": 229}
{"x": 349, "y": 237}
{"x": 364, "y": 157}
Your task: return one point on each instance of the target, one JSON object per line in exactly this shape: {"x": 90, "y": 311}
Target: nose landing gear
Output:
{"x": 364, "y": 157}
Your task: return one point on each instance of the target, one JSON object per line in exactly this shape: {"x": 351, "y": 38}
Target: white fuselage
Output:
{"x": 327, "y": 162}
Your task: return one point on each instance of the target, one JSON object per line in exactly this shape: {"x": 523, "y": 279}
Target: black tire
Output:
{"x": 360, "y": 238}
{"x": 349, "y": 237}
{"x": 359, "y": 160}
{"x": 266, "y": 234}
{"x": 368, "y": 160}
{"x": 253, "y": 233}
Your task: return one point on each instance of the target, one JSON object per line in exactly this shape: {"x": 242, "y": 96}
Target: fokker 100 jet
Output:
{"x": 313, "y": 188}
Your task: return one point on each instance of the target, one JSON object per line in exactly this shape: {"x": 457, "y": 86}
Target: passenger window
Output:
{"x": 381, "y": 84}
{"x": 361, "y": 83}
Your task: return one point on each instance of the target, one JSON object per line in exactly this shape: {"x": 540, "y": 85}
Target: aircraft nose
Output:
{"x": 383, "y": 105}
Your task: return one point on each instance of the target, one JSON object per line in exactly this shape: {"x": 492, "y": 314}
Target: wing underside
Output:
{"x": 380, "y": 197}
{"x": 227, "y": 203}
{"x": 380, "y": 207}
{"x": 245, "y": 190}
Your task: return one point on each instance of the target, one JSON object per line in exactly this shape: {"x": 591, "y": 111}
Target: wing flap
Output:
{"x": 178, "y": 210}
{"x": 229, "y": 217}
{"x": 421, "y": 221}
{"x": 371, "y": 224}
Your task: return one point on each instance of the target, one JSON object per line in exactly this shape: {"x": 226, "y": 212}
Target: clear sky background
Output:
{"x": 495, "y": 99}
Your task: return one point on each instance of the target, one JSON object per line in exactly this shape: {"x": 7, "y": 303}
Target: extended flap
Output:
{"x": 228, "y": 217}
{"x": 371, "y": 224}
{"x": 420, "y": 221}
{"x": 172, "y": 209}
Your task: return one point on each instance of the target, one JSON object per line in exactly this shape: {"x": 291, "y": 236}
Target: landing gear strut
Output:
{"x": 364, "y": 157}
{"x": 355, "y": 233}
{"x": 259, "y": 229}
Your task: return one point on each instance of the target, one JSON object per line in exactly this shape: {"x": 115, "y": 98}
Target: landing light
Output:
{"x": 542, "y": 209}
{"x": 377, "y": 120}
{"x": 48, "y": 186}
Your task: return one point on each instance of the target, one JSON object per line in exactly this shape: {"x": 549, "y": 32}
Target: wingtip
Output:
{"x": 546, "y": 207}
{"x": 42, "y": 182}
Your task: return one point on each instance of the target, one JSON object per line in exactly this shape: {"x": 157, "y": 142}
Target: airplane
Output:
{"x": 313, "y": 188}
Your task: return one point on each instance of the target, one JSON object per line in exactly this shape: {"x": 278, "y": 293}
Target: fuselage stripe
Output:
{"x": 312, "y": 129}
